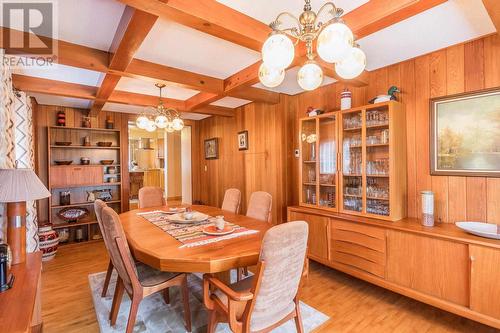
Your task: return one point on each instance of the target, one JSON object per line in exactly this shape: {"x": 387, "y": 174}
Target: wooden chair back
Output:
{"x": 121, "y": 258}
{"x": 232, "y": 200}
{"x": 260, "y": 205}
{"x": 151, "y": 196}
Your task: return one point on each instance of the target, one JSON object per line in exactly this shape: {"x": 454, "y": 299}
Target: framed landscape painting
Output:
{"x": 465, "y": 134}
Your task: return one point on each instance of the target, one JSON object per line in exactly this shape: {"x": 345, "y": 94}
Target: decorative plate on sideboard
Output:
{"x": 488, "y": 230}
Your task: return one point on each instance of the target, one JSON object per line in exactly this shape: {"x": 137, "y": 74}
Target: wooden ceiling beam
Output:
{"x": 152, "y": 72}
{"x": 493, "y": 9}
{"x": 210, "y": 17}
{"x": 64, "y": 89}
{"x": 52, "y": 87}
{"x": 97, "y": 60}
{"x": 133, "y": 28}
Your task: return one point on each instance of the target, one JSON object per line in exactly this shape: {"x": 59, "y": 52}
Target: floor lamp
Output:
{"x": 16, "y": 187}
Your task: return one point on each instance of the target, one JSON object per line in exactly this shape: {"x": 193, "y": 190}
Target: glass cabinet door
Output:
{"x": 377, "y": 161}
{"x": 352, "y": 160}
{"x": 308, "y": 138}
{"x": 327, "y": 161}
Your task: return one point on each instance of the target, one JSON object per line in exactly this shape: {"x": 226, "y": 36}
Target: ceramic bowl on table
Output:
{"x": 191, "y": 217}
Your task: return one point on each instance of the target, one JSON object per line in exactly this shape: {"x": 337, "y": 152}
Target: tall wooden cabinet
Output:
{"x": 354, "y": 161}
{"x": 80, "y": 180}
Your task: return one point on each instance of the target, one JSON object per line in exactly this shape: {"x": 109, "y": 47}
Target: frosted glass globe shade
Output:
{"x": 151, "y": 127}
{"x": 353, "y": 65}
{"x": 161, "y": 121}
{"x": 335, "y": 42}
{"x": 278, "y": 51}
{"x": 271, "y": 76}
{"x": 142, "y": 122}
{"x": 178, "y": 124}
{"x": 310, "y": 76}
{"x": 170, "y": 128}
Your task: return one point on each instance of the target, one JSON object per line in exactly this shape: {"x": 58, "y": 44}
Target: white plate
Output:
{"x": 179, "y": 218}
{"x": 488, "y": 230}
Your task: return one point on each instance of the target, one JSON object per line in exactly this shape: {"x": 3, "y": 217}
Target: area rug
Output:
{"x": 156, "y": 316}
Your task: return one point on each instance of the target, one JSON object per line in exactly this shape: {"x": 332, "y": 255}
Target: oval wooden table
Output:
{"x": 158, "y": 249}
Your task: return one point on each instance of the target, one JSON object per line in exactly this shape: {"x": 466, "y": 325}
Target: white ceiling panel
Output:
{"x": 290, "y": 86}
{"x": 178, "y": 46}
{"x": 230, "y": 102}
{"x": 266, "y": 11}
{"x": 148, "y": 88}
{"x": 61, "y": 101}
{"x": 61, "y": 73}
{"x": 450, "y": 23}
{"x": 91, "y": 23}
{"x": 115, "y": 107}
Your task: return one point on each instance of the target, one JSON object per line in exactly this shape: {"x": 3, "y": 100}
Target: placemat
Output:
{"x": 191, "y": 235}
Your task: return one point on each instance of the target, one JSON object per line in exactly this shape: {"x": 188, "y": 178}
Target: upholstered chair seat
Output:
{"x": 232, "y": 200}
{"x": 151, "y": 196}
{"x": 149, "y": 276}
{"x": 260, "y": 205}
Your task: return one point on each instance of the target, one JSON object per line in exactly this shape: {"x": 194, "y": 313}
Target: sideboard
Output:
{"x": 441, "y": 266}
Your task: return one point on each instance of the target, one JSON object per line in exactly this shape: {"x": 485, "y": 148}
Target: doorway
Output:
{"x": 160, "y": 159}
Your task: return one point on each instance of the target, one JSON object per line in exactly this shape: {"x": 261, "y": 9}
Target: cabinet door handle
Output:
{"x": 77, "y": 169}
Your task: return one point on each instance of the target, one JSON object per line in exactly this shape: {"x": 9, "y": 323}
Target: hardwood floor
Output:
{"x": 353, "y": 305}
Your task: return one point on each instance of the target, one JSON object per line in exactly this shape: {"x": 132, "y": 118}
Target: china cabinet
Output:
{"x": 354, "y": 161}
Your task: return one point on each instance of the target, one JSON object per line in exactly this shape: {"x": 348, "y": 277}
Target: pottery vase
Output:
{"x": 49, "y": 240}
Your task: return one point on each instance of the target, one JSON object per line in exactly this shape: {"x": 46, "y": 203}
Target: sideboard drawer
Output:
{"x": 360, "y": 246}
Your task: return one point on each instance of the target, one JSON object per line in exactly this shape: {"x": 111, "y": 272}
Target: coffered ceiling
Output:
{"x": 208, "y": 51}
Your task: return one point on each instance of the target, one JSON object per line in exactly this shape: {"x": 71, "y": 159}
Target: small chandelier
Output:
{"x": 167, "y": 118}
{"x": 335, "y": 44}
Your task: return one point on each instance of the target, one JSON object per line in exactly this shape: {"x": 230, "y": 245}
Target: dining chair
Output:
{"x": 138, "y": 280}
{"x": 151, "y": 196}
{"x": 232, "y": 200}
{"x": 269, "y": 298}
{"x": 259, "y": 206}
{"x": 99, "y": 205}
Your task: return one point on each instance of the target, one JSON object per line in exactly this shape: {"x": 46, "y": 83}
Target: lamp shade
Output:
{"x": 17, "y": 185}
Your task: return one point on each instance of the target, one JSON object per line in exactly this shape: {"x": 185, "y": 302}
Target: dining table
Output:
{"x": 156, "y": 248}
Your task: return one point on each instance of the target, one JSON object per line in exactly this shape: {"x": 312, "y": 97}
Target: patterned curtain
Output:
{"x": 7, "y": 154}
{"x": 25, "y": 158}
{"x": 16, "y": 144}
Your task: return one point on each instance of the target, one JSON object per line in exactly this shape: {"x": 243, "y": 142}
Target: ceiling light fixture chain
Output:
{"x": 335, "y": 45}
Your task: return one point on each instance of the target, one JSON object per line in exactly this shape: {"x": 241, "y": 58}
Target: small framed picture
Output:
{"x": 212, "y": 149}
{"x": 243, "y": 140}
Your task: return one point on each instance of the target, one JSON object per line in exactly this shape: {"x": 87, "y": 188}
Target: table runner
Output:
{"x": 191, "y": 235}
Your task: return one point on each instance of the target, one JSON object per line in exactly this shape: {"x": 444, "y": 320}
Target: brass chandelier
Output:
{"x": 167, "y": 118}
{"x": 335, "y": 44}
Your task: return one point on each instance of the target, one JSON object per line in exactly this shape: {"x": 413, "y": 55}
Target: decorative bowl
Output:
{"x": 488, "y": 230}
{"x": 73, "y": 214}
{"x": 63, "y": 162}
{"x": 107, "y": 162}
{"x": 63, "y": 143}
{"x": 104, "y": 143}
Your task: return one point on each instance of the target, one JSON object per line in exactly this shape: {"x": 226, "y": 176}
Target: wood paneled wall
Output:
{"x": 270, "y": 164}
{"x": 260, "y": 168}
